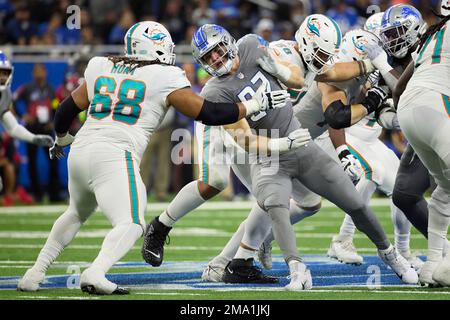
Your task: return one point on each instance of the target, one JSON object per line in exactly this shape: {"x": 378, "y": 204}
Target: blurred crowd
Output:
{"x": 43, "y": 22}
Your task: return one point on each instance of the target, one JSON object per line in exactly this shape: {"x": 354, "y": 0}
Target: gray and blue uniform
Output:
{"x": 315, "y": 169}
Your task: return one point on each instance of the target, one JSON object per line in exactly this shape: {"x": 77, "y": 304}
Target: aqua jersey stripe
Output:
{"x": 366, "y": 166}
{"x": 133, "y": 188}
{"x": 436, "y": 58}
{"x": 427, "y": 42}
{"x": 446, "y": 100}
{"x": 130, "y": 33}
{"x": 205, "y": 154}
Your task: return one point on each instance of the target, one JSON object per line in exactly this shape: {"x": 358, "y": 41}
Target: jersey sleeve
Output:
{"x": 175, "y": 79}
{"x": 215, "y": 93}
{"x": 5, "y": 100}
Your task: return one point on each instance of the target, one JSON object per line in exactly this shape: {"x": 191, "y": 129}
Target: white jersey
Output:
{"x": 127, "y": 106}
{"x": 432, "y": 63}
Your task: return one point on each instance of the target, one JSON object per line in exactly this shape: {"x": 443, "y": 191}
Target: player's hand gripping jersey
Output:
{"x": 127, "y": 105}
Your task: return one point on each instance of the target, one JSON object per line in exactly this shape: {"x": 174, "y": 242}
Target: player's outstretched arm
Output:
{"x": 219, "y": 113}
{"x": 343, "y": 71}
{"x": 67, "y": 111}
{"x": 288, "y": 73}
{"x": 243, "y": 135}
{"x": 339, "y": 114}
{"x": 14, "y": 128}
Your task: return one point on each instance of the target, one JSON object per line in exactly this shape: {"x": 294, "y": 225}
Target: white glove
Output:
{"x": 264, "y": 100}
{"x": 43, "y": 140}
{"x": 57, "y": 151}
{"x": 378, "y": 56}
{"x": 294, "y": 140}
{"x": 270, "y": 65}
{"x": 350, "y": 164}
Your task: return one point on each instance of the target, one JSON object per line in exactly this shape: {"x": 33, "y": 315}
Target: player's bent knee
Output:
{"x": 208, "y": 191}
{"x": 440, "y": 201}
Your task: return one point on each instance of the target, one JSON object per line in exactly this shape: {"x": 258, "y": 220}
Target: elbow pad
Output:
{"x": 218, "y": 113}
{"x": 66, "y": 112}
{"x": 338, "y": 115}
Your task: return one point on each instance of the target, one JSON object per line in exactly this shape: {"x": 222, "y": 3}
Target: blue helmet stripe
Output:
{"x": 200, "y": 39}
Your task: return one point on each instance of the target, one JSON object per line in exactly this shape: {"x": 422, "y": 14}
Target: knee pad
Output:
{"x": 404, "y": 201}
{"x": 273, "y": 201}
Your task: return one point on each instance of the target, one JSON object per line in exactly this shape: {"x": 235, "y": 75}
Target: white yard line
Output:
{"x": 160, "y": 206}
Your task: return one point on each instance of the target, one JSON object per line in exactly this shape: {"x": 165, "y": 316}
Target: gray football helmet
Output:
{"x": 211, "y": 37}
{"x": 401, "y": 28}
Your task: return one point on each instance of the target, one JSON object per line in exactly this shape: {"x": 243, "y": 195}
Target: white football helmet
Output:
{"x": 401, "y": 28}
{"x": 353, "y": 45}
{"x": 319, "y": 39}
{"x": 373, "y": 23}
{"x": 149, "y": 40}
{"x": 445, "y": 7}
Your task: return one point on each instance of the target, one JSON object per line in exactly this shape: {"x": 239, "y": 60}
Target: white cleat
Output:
{"x": 300, "y": 276}
{"x": 265, "y": 255}
{"x": 426, "y": 274}
{"x": 213, "y": 273}
{"x": 399, "y": 265}
{"x": 93, "y": 281}
{"x": 344, "y": 251}
{"x": 30, "y": 281}
{"x": 442, "y": 273}
{"x": 414, "y": 260}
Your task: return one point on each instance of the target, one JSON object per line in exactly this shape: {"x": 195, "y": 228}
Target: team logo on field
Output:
{"x": 155, "y": 35}
{"x": 313, "y": 27}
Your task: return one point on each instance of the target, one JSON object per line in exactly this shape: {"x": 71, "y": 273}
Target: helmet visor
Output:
{"x": 217, "y": 57}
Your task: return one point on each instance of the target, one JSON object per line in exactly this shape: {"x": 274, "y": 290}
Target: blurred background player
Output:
{"x": 15, "y": 130}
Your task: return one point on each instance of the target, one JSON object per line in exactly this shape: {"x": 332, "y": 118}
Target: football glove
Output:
{"x": 378, "y": 56}
{"x": 264, "y": 100}
{"x": 57, "y": 151}
{"x": 375, "y": 97}
{"x": 294, "y": 140}
{"x": 270, "y": 65}
{"x": 43, "y": 140}
{"x": 350, "y": 164}
{"x": 387, "y": 116}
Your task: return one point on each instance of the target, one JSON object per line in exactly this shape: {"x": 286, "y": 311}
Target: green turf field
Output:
{"x": 196, "y": 238}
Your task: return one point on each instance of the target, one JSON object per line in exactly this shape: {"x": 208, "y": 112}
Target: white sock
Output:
{"x": 118, "y": 242}
{"x": 257, "y": 227}
{"x": 63, "y": 231}
{"x": 232, "y": 246}
{"x": 402, "y": 230}
{"x": 438, "y": 222}
{"x": 348, "y": 228}
{"x": 186, "y": 200}
{"x": 245, "y": 254}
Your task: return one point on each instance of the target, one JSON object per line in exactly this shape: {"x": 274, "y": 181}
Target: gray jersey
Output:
{"x": 242, "y": 85}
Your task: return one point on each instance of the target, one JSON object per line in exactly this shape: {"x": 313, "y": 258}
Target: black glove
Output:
{"x": 375, "y": 97}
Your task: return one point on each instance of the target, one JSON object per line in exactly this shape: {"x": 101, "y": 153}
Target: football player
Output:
{"x": 126, "y": 98}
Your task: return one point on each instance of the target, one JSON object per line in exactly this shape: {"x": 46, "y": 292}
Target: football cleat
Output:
{"x": 30, "y": 281}
{"x": 442, "y": 273}
{"x": 93, "y": 281}
{"x": 265, "y": 255}
{"x": 244, "y": 271}
{"x": 426, "y": 274}
{"x": 414, "y": 260}
{"x": 213, "y": 273}
{"x": 154, "y": 239}
{"x": 344, "y": 251}
{"x": 300, "y": 276}
{"x": 399, "y": 265}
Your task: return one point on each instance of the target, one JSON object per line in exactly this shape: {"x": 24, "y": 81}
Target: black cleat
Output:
{"x": 154, "y": 239}
{"x": 244, "y": 271}
{"x": 92, "y": 290}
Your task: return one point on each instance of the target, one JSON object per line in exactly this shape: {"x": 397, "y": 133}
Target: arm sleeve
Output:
{"x": 65, "y": 114}
{"x": 16, "y": 130}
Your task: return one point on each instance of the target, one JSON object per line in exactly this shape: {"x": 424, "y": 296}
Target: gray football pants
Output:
{"x": 317, "y": 171}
